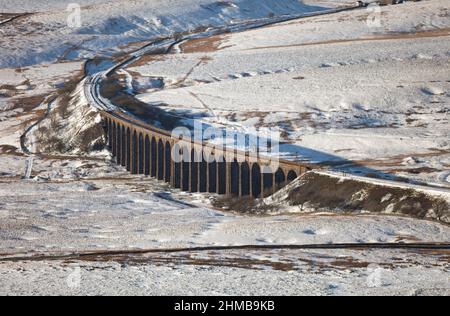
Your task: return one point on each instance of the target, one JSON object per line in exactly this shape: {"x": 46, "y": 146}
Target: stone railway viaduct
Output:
{"x": 147, "y": 150}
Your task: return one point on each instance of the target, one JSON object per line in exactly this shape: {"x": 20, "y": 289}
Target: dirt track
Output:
{"x": 95, "y": 256}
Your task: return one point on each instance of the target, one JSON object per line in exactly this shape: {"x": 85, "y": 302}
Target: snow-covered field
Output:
{"x": 85, "y": 205}
{"x": 236, "y": 273}
{"x": 52, "y": 32}
{"x": 125, "y": 214}
{"x": 340, "y": 90}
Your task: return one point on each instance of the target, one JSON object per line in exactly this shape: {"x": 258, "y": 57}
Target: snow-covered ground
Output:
{"x": 96, "y": 214}
{"x": 236, "y": 273}
{"x": 23, "y": 96}
{"x": 339, "y": 89}
{"x": 106, "y": 27}
{"x": 123, "y": 214}
{"x": 342, "y": 88}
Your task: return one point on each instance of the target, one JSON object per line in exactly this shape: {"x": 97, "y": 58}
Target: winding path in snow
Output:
{"x": 4, "y": 22}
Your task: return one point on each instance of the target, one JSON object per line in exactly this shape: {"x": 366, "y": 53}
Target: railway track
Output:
{"x": 92, "y": 255}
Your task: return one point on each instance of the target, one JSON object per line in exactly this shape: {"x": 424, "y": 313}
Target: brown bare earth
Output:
{"x": 204, "y": 45}
{"x": 275, "y": 259}
{"x": 7, "y": 16}
{"x": 28, "y": 103}
{"x": 146, "y": 59}
{"x": 9, "y": 150}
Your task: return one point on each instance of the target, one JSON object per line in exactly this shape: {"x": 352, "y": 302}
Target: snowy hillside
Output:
{"x": 364, "y": 94}
{"x": 106, "y": 26}
{"x": 341, "y": 90}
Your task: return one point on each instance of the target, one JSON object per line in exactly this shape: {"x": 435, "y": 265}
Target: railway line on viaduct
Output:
{"x": 201, "y": 167}
{"x": 147, "y": 150}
